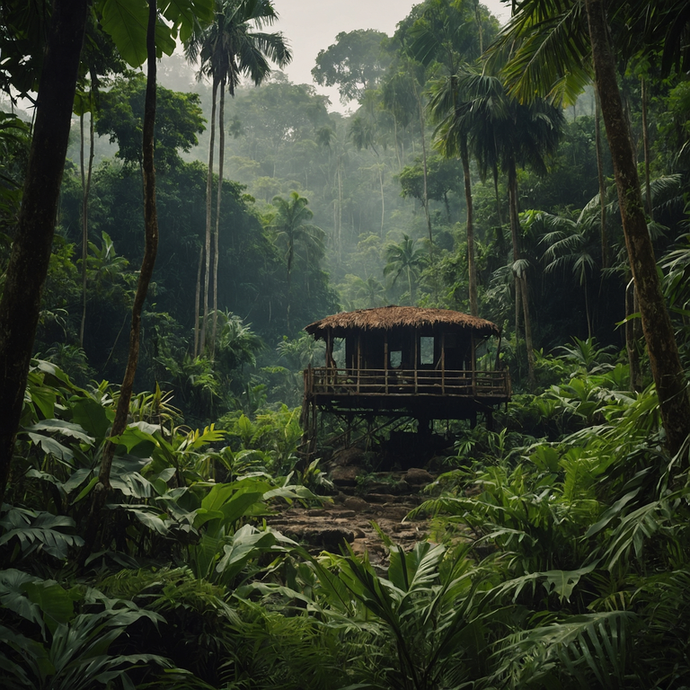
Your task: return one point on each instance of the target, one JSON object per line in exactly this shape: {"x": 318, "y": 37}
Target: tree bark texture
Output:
{"x": 656, "y": 325}
{"x": 28, "y": 265}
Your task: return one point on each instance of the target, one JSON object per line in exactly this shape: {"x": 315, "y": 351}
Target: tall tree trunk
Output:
{"x": 521, "y": 287}
{"x": 86, "y": 188}
{"x": 480, "y": 32}
{"x": 425, "y": 173}
{"x": 498, "y": 198}
{"x": 658, "y": 331}
{"x": 395, "y": 139}
{"x": 383, "y": 198}
{"x": 209, "y": 219}
{"x": 631, "y": 339}
{"x": 602, "y": 185}
{"x": 28, "y": 265}
{"x": 587, "y": 314}
{"x": 101, "y": 489}
{"x": 645, "y": 144}
{"x": 471, "y": 267}
{"x": 197, "y": 299}
{"x": 529, "y": 343}
{"x": 221, "y": 160}
{"x": 340, "y": 211}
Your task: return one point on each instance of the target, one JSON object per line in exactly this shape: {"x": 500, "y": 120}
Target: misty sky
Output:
{"x": 312, "y": 25}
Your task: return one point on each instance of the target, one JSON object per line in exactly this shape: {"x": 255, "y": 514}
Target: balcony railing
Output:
{"x": 405, "y": 382}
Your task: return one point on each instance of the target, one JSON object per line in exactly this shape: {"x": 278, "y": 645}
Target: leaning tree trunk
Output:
{"x": 656, "y": 324}
{"x": 102, "y": 488}
{"x": 645, "y": 144}
{"x": 28, "y": 265}
{"x": 471, "y": 266}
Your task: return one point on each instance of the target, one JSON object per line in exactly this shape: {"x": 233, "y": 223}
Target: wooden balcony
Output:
{"x": 437, "y": 393}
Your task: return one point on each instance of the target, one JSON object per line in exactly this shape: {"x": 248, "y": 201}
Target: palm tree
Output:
{"x": 227, "y": 50}
{"x": 364, "y": 130}
{"x": 569, "y": 244}
{"x": 370, "y": 291}
{"x": 292, "y": 228}
{"x": 551, "y": 43}
{"x": 446, "y": 35}
{"x": 455, "y": 124}
{"x": 403, "y": 258}
{"x": 501, "y": 131}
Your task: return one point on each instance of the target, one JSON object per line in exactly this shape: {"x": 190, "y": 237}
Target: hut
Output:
{"x": 405, "y": 362}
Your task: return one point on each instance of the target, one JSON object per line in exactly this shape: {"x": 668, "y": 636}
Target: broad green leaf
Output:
{"x": 126, "y": 22}
{"x": 51, "y": 447}
{"x": 86, "y": 490}
{"x": 43, "y": 397}
{"x": 247, "y": 543}
{"x": 148, "y": 516}
{"x": 65, "y": 428}
{"x": 41, "y": 529}
{"x": 564, "y": 581}
{"x": 137, "y": 442}
{"x": 186, "y": 13}
{"x": 92, "y": 417}
{"x": 76, "y": 479}
{"x": 55, "y": 602}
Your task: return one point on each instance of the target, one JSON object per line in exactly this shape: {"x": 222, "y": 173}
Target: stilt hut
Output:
{"x": 405, "y": 362}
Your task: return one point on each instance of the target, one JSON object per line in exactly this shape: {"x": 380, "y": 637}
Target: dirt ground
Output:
{"x": 383, "y": 498}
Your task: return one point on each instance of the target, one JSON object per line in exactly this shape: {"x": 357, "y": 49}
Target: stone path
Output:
{"x": 384, "y": 499}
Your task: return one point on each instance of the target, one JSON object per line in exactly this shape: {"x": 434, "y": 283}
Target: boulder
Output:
{"x": 356, "y": 503}
{"x": 345, "y": 476}
{"x": 417, "y": 477}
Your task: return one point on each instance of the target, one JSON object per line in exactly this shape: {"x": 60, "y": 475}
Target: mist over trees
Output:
{"x": 175, "y": 228}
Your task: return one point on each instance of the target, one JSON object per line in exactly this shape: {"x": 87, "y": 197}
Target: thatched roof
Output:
{"x": 386, "y": 318}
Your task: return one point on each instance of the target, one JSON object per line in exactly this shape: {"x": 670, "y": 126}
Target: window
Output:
{"x": 394, "y": 358}
{"x": 426, "y": 349}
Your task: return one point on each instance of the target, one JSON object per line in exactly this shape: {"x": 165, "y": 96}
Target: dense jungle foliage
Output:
{"x": 476, "y": 169}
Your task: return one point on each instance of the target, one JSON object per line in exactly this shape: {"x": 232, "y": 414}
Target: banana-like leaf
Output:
{"x": 68, "y": 429}
{"x": 39, "y": 529}
{"x": 248, "y": 543}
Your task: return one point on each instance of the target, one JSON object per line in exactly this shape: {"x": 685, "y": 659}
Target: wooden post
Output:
{"x": 443, "y": 362}
{"x": 359, "y": 358}
{"x": 473, "y": 365}
{"x": 416, "y": 357}
{"x": 385, "y": 361}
